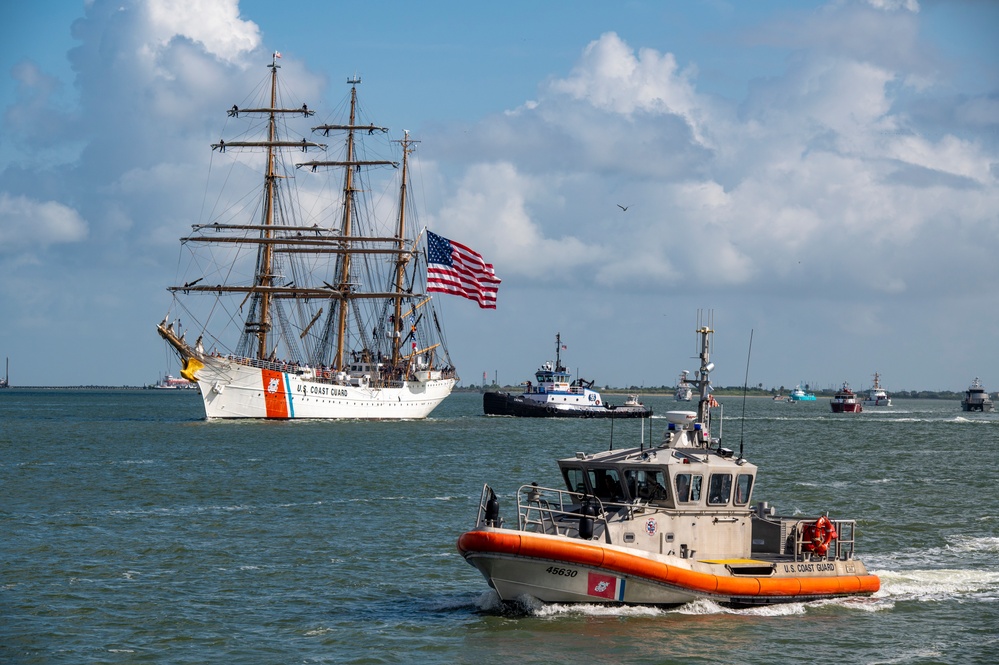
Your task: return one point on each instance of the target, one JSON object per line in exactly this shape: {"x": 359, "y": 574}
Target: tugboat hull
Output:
{"x": 505, "y": 404}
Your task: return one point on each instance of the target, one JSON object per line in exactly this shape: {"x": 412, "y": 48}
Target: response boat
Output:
{"x": 662, "y": 524}
{"x": 557, "y": 395}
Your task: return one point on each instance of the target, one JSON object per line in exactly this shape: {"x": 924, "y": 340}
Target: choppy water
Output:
{"x": 131, "y": 531}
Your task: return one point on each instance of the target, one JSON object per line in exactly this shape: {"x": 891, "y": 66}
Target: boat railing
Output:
{"x": 551, "y": 511}
{"x": 559, "y": 512}
{"x": 841, "y": 547}
{"x": 386, "y": 378}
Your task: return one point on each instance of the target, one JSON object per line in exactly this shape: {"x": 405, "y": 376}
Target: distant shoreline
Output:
{"x": 657, "y": 392}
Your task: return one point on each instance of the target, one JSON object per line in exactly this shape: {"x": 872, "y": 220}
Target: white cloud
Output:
{"x": 818, "y": 179}
{"x": 894, "y": 5}
{"x": 215, "y": 24}
{"x": 490, "y": 212}
{"x": 611, "y": 77}
{"x": 30, "y": 225}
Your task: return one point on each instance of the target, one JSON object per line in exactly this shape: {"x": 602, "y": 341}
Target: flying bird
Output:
{"x": 625, "y": 208}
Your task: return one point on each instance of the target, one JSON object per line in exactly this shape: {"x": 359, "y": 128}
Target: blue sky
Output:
{"x": 823, "y": 174}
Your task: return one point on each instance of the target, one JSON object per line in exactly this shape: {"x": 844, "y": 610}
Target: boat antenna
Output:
{"x": 745, "y": 384}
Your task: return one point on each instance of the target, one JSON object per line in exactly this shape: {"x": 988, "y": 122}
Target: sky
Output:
{"x": 819, "y": 179}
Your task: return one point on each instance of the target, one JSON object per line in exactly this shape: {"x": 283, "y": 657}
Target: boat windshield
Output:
{"x": 606, "y": 484}
{"x": 719, "y": 488}
{"x": 743, "y": 489}
{"x": 575, "y": 480}
{"x": 688, "y": 488}
{"x": 647, "y": 484}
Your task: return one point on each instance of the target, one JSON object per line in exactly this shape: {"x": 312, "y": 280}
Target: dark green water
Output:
{"x": 131, "y": 531}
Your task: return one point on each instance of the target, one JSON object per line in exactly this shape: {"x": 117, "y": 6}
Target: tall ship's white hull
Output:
{"x": 233, "y": 390}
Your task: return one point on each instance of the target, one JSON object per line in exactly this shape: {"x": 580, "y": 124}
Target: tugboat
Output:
{"x": 662, "y": 524}
{"x": 976, "y": 399}
{"x": 877, "y": 396}
{"x": 556, "y": 395}
{"x": 799, "y": 395}
{"x": 845, "y": 401}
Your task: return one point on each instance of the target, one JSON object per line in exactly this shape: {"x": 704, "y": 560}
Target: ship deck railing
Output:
{"x": 324, "y": 375}
{"x": 543, "y": 390}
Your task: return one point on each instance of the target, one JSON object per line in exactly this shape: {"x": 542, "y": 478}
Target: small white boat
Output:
{"x": 683, "y": 391}
{"x": 170, "y": 382}
{"x": 976, "y": 399}
{"x": 877, "y": 396}
{"x": 661, "y": 524}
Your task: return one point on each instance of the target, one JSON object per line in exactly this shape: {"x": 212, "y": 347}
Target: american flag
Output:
{"x": 454, "y": 268}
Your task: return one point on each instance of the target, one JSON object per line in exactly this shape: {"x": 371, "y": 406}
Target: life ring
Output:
{"x": 816, "y": 537}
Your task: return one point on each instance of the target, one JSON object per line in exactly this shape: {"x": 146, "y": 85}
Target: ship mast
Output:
{"x": 343, "y": 284}
{"x": 400, "y": 266}
{"x": 265, "y": 276}
{"x": 344, "y": 290}
{"x": 259, "y": 322}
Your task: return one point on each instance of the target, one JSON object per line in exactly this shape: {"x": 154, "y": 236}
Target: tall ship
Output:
{"x": 877, "y": 396}
{"x": 555, "y": 394}
{"x": 661, "y": 524}
{"x": 976, "y": 399}
{"x": 304, "y": 316}
{"x": 845, "y": 401}
{"x": 683, "y": 393}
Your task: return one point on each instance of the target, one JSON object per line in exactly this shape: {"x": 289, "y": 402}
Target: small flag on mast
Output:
{"x": 456, "y": 269}
{"x": 277, "y": 54}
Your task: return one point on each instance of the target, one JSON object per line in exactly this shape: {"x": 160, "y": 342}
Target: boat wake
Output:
{"x": 937, "y": 585}
{"x": 527, "y": 606}
{"x": 966, "y": 571}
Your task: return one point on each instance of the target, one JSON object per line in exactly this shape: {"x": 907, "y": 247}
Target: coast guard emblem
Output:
{"x": 272, "y": 387}
{"x": 651, "y": 526}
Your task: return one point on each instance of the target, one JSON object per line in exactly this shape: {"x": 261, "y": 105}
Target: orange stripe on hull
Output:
{"x": 586, "y": 554}
{"x": 275, "y": 397}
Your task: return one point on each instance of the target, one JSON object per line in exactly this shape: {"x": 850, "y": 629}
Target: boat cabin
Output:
{"x": 689, "y": 480}
{"x": 682, "y": 496}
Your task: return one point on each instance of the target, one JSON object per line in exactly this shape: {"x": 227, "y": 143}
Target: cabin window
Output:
{"x": 719, "y": 489}
{"x": 606, "y": 484}
{"x": 575, "y": 480}
{"x": 647, "y": 484}
{"x": 743, "y": 489}
{"x": 688, "y": 488}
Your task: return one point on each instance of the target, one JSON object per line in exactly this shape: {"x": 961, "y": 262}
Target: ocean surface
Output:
{"x": 133, "y": 531}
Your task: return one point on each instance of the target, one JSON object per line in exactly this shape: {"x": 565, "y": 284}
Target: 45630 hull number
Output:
{"x": 562, "y": 572}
